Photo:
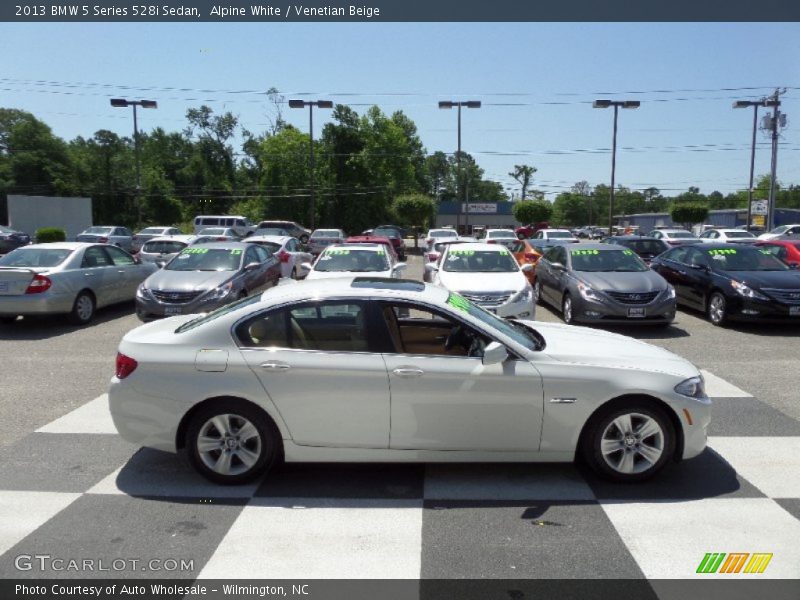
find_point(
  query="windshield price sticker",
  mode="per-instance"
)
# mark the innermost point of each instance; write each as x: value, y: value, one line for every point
x: 462, y: 252
x: 721, y: 251
x: 584, y: 252
x: 195, y: 251
x: 628, y: 252
x: 458, y: 302
x: 236, y: 251
x: 336, y: 252
x: 766, y: 252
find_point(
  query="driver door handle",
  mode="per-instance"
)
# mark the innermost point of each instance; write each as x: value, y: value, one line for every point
x: 274, y: 365
x: 408, y: 372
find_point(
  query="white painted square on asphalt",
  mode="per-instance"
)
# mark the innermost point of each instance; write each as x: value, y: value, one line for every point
x: 21, y: 513
x: 92, y: 417
x: 669, y: 539
x: 717, y: 387
x: 772, y: 464
x: 505, y: 482
x: 321, y: 538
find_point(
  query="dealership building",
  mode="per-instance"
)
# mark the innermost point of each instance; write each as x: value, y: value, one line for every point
x: 729, y: 217
x: 464, y: 216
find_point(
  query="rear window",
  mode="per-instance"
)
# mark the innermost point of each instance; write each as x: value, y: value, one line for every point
x: 645, y: 246
x: 151, y: 230
x: 164, y: 247
x: 95, y: 230
x: 34, y: 257
x: 325, y: 233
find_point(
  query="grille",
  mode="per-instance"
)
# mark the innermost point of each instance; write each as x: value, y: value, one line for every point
x: 487, y: 299
x: 784, y: 296
x: 175, y: 297
x: 634, y: 297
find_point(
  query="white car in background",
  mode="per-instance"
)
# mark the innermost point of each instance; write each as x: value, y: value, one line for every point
x: 322, y: 238
x: 499, y: 236
x: 489, y: 276
x: 728, y: 236
x: 439, y: 235
x: 346, y: 260
x: 149, y: 233
x: 287, y: 250
x: 161, y: 250
x: 558, y: 235
x: 121, y: 237
x: 379, y: 370
x: 779, y: 231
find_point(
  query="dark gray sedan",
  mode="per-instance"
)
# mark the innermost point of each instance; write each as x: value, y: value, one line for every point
x: 599, y: 283
x: 202, y: 278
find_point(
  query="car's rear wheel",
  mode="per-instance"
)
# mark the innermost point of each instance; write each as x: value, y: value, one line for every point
x: 629, y: 442
x: 566, y: 309
x: 294, y: 273
x: 231, y: 442
x: 717, y: 309
x: 82, y: 309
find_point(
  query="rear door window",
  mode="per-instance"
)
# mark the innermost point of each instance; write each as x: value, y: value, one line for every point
x: 95, y: 257
x: 120, y: 257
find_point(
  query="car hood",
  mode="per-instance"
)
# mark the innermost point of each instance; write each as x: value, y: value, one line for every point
x: 586, y: 346
x: 336, y: 274
x: 642, y: 281
x: 187, y: 281
x: 483, y: 282
x: 768, y: 279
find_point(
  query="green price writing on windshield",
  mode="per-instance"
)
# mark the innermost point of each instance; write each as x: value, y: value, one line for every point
x: 195, y: 251
x: 458, y: 302
x: 628, y: 252
x: 462, y: 252
x: 337, y: 252
x: 721, y: 251
x: 584, y: 252
x: 236, y: 251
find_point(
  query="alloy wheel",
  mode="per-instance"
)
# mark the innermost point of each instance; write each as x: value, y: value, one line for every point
x: 632, y: 443
x: 716, y: 309
x: 229, y: 444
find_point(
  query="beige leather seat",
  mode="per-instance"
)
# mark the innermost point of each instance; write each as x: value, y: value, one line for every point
x: 394, y: 328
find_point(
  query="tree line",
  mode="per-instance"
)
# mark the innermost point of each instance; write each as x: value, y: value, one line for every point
x: 364, y: 163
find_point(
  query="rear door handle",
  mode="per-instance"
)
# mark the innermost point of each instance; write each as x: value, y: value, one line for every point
x: 408, y: 372
x: 274, y: 365
x: 88, y: 274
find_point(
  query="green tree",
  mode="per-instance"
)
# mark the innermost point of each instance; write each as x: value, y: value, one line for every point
x: 415, y: 210
x: 523, y: 174
x: 570, y: 209
x: 689, y: 213
x: 532, y: 211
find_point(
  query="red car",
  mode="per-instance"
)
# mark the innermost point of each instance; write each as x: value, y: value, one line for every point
x: 373, y: 239
x: 787, y: 251
x: 528, y: 231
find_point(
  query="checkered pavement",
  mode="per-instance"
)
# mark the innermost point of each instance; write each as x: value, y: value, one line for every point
x: 73, y: 490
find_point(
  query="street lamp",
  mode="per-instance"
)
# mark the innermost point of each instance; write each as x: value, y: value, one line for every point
x: 616, y: 104
x: 312, y: 210
x: 469, y: 104
x: 122, y: 103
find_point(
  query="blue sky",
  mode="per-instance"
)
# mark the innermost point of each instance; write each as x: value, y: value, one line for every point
x: 536, y: 82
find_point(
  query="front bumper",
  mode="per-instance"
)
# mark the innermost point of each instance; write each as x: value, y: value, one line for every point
x: 521, y: 309
x: 660, y: 310
x: 751, y: 309
x: 148, y: 308
x: 695, y: 424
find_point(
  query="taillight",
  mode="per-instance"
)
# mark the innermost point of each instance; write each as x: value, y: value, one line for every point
x: 221, y: 239
x: 491, y: 242
x: 102, y: 239
x: 283, y: 256
x: 125, y: 365
x: 531, y: 257
x: 429, y: 241
x: 39, y: 284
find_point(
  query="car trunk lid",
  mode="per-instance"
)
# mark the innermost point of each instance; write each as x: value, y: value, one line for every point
x: 15, y: 280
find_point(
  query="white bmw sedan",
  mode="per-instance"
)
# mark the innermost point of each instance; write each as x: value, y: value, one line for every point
x: 391, y: 370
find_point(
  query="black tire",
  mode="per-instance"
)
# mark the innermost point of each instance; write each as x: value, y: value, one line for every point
x: 293, y: 274
x: 82, y: 309
x: 717, y: 309
x: 566, y: 310
x: 601, y: 432
x: 537, y: 293
x: 265, y: 447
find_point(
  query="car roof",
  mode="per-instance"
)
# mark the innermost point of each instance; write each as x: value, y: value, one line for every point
x: 370, y: 239
x: 226, y: 245
x: 594, y: 246
x: 278, y: 239
x: 364, y: 287
x: 482, y: 246
x: 172, y: 238
x: 63, y: 245
x: 632, y: 237
x: 358, y: 246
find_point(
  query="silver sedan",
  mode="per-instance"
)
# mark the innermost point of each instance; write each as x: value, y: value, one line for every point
x: 73, y: 278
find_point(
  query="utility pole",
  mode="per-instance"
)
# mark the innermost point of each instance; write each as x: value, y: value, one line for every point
x: 778, y: 120
x: 469, y: 104
x: 312, y: 206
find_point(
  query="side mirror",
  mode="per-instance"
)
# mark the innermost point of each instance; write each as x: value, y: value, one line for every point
x: 558, y: 266
x: 306, y: 265
x: 526, y: 268
x: 251, y: 266
x: 400, y: 267
x: 494, y: 353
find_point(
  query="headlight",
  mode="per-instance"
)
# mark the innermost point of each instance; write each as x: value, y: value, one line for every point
x: 669, y: 292
x: 220, y: 292
x: 524, y: 295
x: 588, y: 293
x: 745, y: 290
x: 693, y: 388
x: 143, y: 293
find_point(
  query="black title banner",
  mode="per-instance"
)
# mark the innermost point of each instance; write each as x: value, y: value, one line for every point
x: 398, y: 10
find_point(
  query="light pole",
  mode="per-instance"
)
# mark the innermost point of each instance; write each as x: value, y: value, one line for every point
x: 122, y: 103
x: 469, y: 104
x: 312, y: 210
x: 755, y: 104
x: 616, y: 104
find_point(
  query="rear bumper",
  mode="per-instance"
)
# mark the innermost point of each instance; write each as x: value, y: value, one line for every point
x: 143, y: 420
x: 36, y: 304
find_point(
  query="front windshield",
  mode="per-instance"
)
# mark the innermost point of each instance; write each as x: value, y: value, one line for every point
x: 501, y: 234
x: 516, y: 331
x: 745, y: 259
x: 739, y: 234
x: 682, y: 235
x: 442, y: 233
x: 480, y: 261
x: 206, y: 259
x: 98, y: 230
x: 645, y: 246
x: 559, y: 234
x: 352, y: 260
x: 165, y: 247
x: 213, y: 231
x: 151, y: 230
x: 325, y: 233
x: 780, y: 229
x: 35, y: 257
x: 271, y: 231
x: 387, y: 233
x: 594, y: 261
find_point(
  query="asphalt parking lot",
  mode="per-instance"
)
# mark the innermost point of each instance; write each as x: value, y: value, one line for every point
x: 85, y: 492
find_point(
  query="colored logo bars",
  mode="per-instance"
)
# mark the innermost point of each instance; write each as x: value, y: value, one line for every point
x: 716, y: 562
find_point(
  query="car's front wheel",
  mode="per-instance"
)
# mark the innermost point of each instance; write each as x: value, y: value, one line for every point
x: 717, y: 309
x: 566, y: 309
x: 231, y: 442
x: 630, y: 442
